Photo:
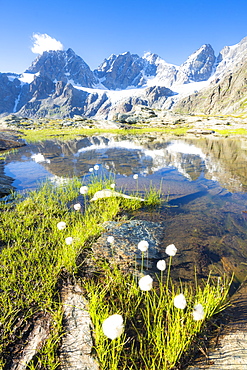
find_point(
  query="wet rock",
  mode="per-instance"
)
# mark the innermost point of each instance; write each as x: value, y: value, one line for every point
x: 10, y: 139
x: 127, y: 235
x: 231, y: 351
x: 5, y: 181
x: 76, y: 347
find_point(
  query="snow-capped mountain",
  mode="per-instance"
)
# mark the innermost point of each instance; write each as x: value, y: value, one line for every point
x: 63, y: 66
x: 60, y: 83
x: 226, y: 90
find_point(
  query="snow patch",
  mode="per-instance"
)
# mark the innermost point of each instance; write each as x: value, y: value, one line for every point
x: 16, y: 103
x: 28, y: 77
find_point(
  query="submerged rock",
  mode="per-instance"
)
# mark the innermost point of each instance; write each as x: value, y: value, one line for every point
x: 124, y: 250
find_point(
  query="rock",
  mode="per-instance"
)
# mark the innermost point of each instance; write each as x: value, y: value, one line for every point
x: 107, y: 193
x: 79, y: 118
x: 179, y: 121
x: 230, y: 353
x: 124, y: 251
x: 33, y: 343
x: 200, y: 132
x: 10, y: 139
x: 77, y: 343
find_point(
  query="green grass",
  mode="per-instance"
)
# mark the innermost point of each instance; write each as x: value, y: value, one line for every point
x: 232, y: 132
x: 35, y: 256
x: 156, y: 333
x: 72, y: 133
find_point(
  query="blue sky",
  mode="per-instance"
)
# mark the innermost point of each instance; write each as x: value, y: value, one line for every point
x: 96, y: 29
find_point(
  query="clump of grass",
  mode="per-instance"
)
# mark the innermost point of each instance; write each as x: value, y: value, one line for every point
x: 156, y: 333
x: 34, y: 252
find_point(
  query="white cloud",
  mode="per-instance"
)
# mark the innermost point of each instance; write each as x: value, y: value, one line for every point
x: 43, y: 42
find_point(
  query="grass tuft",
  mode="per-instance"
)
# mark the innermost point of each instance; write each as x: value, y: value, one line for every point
x: 156, y: 333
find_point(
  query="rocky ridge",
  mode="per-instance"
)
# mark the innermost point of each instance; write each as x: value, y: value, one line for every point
x: 223, y: 96
x: 60, y: 84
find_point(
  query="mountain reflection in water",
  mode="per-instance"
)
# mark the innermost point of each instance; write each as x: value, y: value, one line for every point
x: 206, y: 180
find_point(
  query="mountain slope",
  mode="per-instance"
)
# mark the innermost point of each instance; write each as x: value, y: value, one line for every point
x: 228, y: 95
x: 227, y: 91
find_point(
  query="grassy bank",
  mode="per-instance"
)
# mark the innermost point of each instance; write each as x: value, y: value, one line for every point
x: 72, y: 133
x: 32, y: 136
x: 41, y: 238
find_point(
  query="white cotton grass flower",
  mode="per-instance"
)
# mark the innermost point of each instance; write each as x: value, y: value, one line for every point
x: 110, y: 239
x: 146, y: 283
x: 171, y: 250
x: 61, y: 225
x: 84, y: 189
x: 180, y: 301
x: 135, y: 176
x: 69, y: 240
x: 113, y: 186
x: 77, y: 207
x: 90, y: 169
x: 198, y: 312
x: 113, y: 326
x: 96, y: 167
x: 161, y: 265
x: 143, y: 245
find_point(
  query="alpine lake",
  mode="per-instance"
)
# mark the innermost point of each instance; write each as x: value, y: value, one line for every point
x: 203, y: 184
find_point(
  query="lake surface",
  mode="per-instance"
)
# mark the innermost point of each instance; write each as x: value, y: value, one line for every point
x: 206, y: 180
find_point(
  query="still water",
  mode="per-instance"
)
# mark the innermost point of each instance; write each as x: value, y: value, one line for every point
x: 206, y: 180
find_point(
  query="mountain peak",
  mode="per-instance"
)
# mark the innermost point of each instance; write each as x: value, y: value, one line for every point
x: 121, y: 71
x: 60, y: 65
x: 199, y: 65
